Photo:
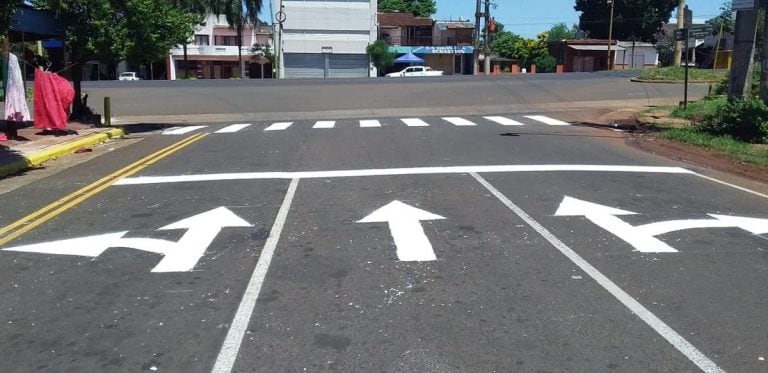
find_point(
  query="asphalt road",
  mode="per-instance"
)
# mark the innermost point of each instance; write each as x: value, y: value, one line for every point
x: 526, y: 247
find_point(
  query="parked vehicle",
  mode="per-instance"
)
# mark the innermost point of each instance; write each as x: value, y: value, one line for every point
x: 415, y: 71
x: 128, y: 75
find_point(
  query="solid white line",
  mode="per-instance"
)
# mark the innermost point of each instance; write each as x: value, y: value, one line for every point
x: 369, y: 123
x: 682, y: 345
x: 547, y: 120
x: 324, y: 124
x: 397, y: 171
x: 278, y: 126
x: 414, y: 122
x: 457, y: 121
x: 750, y: 191
x: 228, y: 353
x: 504, y: 121
x: 182, y: 130
x: 233, y: 128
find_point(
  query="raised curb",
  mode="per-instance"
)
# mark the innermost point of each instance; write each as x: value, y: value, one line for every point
x: 57, y: 151
x: 638, y: 80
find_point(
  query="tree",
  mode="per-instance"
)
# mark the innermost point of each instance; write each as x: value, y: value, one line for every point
x: 380, y: 55
x: 527, y: 51
x: 561, y: 32
x: 7, y: 10
x: 725, y: 18
x: 633, y: 19
x: 419, y: 8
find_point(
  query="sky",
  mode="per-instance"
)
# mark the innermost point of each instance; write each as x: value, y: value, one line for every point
x: 528, y: 18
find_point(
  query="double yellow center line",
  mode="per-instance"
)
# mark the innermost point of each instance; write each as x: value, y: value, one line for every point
x: 46, y: 213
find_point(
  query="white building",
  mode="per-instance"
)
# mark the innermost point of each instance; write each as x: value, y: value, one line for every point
x: 327, y: 38
x: 636, y: 55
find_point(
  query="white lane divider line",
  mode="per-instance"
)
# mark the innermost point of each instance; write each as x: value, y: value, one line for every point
x: 233, y: 128
x: 369, y: 123
x: 225, y: 361
x: 414, y: 122
x: 547, y: 120
x: 279, y: 126
x: 324, y: 124
x: 457, y: 121
x: 664, y: 330
x: 504, y: 121
x: 182, y: 130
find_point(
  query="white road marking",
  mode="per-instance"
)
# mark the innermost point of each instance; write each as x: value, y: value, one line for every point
x: 278, y: 126
x: 734, y: 186
x: 233, y: 128
x: 398, y: 171
x: 182, y: 130
x: 682, y: 345
x: 414, y: 122
x: 547, y: 120
x: 369, y: 123
x: 234, y: 339
x: 457, y: 121
x: 405, y: 226
x: 324, y: 124
x: 504, y: 121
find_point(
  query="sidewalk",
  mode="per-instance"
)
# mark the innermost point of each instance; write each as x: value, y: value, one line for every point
x: 34, y: 147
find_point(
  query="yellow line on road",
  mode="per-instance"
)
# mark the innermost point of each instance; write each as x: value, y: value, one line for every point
x: 46, y: 213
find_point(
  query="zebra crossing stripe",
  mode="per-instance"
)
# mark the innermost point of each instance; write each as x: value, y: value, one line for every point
x: 182, y: 130
x: 233, y: 128
x: 414, y: 122
x: 369, y: 123
x: 456, y: 121
x: 547, y: 120
x: 278, y: 126
x: 504, y: 121
x: 324, y: 124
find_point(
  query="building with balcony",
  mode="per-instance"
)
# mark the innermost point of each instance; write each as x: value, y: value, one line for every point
x: 213, y: 52
x: 327, y: 38
x: 444, y: 45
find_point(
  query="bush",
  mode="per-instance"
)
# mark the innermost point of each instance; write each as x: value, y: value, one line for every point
x: 745, y: 120
x: 721, y: 88
x: 545, y: 64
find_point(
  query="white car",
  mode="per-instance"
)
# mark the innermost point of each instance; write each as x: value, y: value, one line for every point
x: 415, y: 71
x: 128, y: 75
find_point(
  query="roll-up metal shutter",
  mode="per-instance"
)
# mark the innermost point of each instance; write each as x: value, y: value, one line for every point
x: 349, y: 66
x: 304, y: 65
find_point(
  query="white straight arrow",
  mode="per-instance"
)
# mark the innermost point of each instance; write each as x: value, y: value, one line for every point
x: 405, y: 226
x: 181, y: 256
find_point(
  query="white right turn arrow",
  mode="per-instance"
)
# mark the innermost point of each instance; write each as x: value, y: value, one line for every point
x: 405, y: 225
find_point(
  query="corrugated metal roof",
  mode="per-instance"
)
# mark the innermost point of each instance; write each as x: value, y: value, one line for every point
x: 596, y: 47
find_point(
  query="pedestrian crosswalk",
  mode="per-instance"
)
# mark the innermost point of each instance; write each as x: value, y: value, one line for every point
x: 377, y: 123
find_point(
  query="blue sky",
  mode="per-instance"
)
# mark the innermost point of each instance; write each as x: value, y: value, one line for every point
x: 528, y: 18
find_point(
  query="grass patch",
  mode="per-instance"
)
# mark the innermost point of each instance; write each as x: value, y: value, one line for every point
x: 735, y: 149
x: 697, y: 110
x: 677, y: 73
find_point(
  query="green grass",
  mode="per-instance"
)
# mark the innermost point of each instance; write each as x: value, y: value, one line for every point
x: 697, y: 110
x: 735, y: 149
x: 677, y: 73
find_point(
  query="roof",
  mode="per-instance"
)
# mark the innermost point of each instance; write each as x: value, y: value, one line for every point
x: 595, y: 47
x: 637, y: 44
x: 403, y: 19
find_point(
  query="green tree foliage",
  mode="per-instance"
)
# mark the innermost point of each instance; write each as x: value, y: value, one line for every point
x: 380, y: 55
x: 7, y: 9
x: 419, y: 8
x: 150, y: 36
x: 526, y: 51
x: 633, y: 19
x: 725, y: 18
x: 561, y: 32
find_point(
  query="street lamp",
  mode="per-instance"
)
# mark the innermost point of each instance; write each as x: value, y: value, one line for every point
x: 610, y: 35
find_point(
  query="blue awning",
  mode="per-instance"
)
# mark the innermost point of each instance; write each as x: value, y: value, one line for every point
x: 459, y: 49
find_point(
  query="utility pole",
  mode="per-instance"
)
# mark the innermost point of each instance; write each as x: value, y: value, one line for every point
x: 743, y: 53
x: 610, y: 37
x: 680, y: 25
x: 487, y: 48
x: 764, y: 62
x: 476, y: 67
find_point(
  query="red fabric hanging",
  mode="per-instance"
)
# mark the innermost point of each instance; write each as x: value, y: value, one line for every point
x: 53, y: 95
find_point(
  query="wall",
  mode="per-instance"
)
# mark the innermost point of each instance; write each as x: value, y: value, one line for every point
x: 346, y: 26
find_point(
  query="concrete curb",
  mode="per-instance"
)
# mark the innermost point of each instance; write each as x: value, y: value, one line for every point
x: 57, y: 151
x: 638, y: 80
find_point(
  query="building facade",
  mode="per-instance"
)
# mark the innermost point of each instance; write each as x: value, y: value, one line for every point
x: 327, y: 38
x: 213, y: 52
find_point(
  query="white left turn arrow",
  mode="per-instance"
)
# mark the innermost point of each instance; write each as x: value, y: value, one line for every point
x: 181, y: 256
x: 405, y: 225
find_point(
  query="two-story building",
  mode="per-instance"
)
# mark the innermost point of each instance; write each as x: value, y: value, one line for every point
x: 212, y: 53
x: 327, y: 38
x: 444, y: 45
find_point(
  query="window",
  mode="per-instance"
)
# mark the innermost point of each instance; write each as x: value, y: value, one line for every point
x: 225, y: 40
x: 202, y: 40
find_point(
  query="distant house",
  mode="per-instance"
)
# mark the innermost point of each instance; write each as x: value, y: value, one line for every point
x: 584, y: 55
x: 715, y: 52
x: 636, y: 55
